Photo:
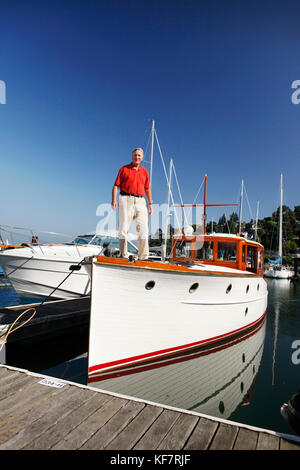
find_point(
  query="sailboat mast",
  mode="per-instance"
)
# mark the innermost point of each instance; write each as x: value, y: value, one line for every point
x: 241, y: 207
x: 280, y: 220
x: 168, y: 215
x: 256, y: 220
x: 204, y: 208
x: 151, y: 154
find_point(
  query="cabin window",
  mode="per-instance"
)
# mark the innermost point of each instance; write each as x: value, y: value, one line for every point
x: 260, y: 259
x: 206, y: 251
x: 227, y: 251
x: 244, y: 254
x: 183, y: 249
x: 252, y: 258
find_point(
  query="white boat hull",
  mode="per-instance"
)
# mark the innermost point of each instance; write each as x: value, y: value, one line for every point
x: 278, y: 273
x: 34, y: 275
x: 213, y: 381
x: 131, y: 324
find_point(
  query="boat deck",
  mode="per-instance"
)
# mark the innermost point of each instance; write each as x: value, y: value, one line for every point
x: 42, y: 413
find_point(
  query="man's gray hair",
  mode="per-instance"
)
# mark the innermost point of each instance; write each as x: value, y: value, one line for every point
x: 138, y: 148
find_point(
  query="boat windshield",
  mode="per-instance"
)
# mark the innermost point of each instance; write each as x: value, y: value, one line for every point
x: 108, y: 242
x: 227, y: 251
x: 86, y: 239
x: 206, y: 251
x: 252, y: 259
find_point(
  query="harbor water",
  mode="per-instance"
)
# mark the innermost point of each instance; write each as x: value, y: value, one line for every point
x: 245, y: 380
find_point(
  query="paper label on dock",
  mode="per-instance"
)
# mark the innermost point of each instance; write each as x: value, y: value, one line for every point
x: 52, y: 383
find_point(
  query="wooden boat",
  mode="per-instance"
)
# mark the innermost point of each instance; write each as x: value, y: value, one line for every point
x: 210, y: 290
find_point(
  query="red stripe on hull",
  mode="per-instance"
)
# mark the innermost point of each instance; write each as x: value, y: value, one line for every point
x: 169, y: 351
x: 136, y: 368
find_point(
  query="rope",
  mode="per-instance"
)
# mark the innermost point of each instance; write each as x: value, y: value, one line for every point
x: 11, y: 329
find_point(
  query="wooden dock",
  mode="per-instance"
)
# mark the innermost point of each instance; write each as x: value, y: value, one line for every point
x: 43, y: 413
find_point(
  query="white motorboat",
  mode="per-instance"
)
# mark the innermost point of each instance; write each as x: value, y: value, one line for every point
x: 275, y: 269
x: 55, y: 269
x: 210, y: 290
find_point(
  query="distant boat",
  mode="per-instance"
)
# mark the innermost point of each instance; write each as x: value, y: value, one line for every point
x: 277, y: 270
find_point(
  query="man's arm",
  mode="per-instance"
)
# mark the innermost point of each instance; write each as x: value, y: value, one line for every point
x: 149, y: 198
x: 114, y: 197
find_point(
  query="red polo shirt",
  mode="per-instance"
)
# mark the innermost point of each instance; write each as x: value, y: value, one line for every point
x: 133, y: 181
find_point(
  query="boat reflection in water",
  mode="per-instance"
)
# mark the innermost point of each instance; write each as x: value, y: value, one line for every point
x: 212, y: 380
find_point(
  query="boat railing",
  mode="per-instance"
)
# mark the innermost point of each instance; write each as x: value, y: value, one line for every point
x: 13, y: 237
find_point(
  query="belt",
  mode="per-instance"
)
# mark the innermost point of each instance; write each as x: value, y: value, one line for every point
x: 126, y: 194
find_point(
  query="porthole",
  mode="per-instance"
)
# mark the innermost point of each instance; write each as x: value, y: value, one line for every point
x: 194, y: 287
x: 243, y: 357
x: 246, y: 311
x: 242, y: 387
x: 253, y: 369
x: 247, y: 289
x: 221, y: 407
x: 257, y: 286
x: 228, y: 288
x: 149, y: 285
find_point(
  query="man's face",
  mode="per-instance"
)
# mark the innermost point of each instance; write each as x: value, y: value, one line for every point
x: 137, y: 157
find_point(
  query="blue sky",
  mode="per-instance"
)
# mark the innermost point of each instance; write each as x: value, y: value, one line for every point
x: 84, y: 79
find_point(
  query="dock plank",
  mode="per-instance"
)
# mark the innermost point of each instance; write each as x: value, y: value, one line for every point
x: 112, y: 428
x: 267, y: 442
x: 55, y: 434
x: 179, y: 432
x: 65, y: 402
x: 7, y: 377
x: 61, y: 429
x: 288, y: 445
x: 10, y: 387
x: 246, y: 440
x: 129, y: 436
x: 24, y: 399
x: 202, y: 435
x: 23, y: 416
x: 82, y: 433
x: 224, y: 437
x: 156, y: 433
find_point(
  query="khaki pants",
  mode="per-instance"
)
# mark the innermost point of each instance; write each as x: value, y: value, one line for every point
x: 133, y: 208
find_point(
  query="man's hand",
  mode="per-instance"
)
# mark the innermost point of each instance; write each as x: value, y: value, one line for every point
x: 149, y: 199
x: 114, y: 205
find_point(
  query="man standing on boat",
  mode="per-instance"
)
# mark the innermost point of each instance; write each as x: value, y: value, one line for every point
x: 133, y: 181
